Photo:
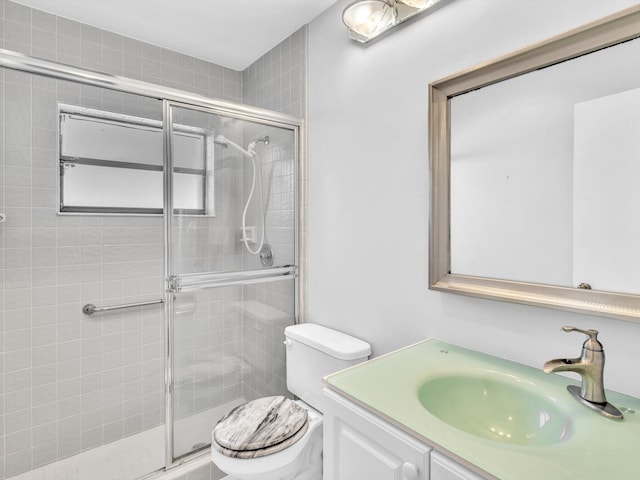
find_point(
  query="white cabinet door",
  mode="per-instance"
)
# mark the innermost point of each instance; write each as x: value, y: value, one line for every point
x: 361, y: 446
x: 443, y: 468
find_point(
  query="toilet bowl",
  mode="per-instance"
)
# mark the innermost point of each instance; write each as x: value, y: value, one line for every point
x: 274, y: 438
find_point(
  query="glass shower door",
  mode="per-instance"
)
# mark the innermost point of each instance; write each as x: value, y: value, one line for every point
x: 231, y: 265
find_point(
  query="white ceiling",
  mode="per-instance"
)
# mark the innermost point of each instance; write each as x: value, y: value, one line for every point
x: 232, y: 33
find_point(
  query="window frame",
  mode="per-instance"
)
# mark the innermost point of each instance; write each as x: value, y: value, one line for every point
x: 207, y: 172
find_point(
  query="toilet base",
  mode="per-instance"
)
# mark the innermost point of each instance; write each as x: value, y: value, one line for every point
x: 310, y: 467
x: 309, y: 474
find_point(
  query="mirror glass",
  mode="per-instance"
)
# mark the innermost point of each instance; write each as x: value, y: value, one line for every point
x: 544, y: 175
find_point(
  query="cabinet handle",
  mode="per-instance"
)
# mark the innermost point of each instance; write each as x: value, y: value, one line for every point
x: 409, y: 471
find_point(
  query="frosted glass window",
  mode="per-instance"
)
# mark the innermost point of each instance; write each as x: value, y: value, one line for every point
x: 113, y: 163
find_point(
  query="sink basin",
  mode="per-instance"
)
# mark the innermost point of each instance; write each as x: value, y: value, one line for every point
x: 508, y: 420
x: 497, y: 408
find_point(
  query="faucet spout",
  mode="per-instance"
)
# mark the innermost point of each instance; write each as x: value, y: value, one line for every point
x: 561, y: 365
x: 590, y: 366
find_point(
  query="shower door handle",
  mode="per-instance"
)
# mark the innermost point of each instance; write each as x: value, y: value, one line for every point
x: 198, y: 281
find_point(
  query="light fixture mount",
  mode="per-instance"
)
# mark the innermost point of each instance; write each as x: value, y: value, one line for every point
x: 369, y: 19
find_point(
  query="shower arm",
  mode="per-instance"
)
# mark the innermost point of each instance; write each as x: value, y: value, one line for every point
x: 222, y: 139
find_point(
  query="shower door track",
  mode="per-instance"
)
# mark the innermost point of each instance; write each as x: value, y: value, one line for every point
x: 25, y: 63
x: 174, y: 97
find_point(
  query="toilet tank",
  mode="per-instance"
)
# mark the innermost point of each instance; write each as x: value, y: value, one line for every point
x: 314, y: 351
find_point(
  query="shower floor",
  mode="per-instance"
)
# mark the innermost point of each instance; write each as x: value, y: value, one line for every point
x: 131, y: 457
x: 125, y: 459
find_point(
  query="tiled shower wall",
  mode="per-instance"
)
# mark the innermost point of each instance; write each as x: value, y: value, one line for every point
x: 71, y: 382
x: 276, y: 81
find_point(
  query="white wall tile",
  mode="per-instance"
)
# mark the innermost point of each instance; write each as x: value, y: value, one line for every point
x: 17, y: 463
x: 44, y: 335
x: 18, y: 298
x: 17, y: 380
x: 42, y: 276
x: 44, y: 374
x: 41, y: 296
x: 68, y: 255
x: 17, y: 400
x: 43, y: 237
x: 68, y: 369
x: 19, y: 339
x: 42, y: 256
x: 68, y: 349
x: 45, y: 453
x: 41, y: 355
x: 19, y: 318
x: 17, y: 278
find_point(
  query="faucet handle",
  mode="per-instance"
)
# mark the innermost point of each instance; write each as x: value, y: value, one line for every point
x: 590, y: 343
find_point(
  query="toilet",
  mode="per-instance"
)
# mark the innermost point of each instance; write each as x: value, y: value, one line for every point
x: 275, y: 438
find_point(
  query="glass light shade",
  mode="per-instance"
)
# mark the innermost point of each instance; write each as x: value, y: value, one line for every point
x: 369, y: 17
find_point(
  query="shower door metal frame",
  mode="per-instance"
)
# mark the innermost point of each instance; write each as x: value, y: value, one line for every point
x: 173, y: 284
x: 175, y: 97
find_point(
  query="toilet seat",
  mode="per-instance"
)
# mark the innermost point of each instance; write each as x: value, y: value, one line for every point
x: 281, y: 465
x: 260, y: 427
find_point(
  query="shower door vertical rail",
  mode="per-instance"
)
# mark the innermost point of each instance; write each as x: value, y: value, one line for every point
x: 168, y: 273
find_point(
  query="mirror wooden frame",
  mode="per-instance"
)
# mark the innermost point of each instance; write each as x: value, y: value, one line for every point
x: 611, y: 30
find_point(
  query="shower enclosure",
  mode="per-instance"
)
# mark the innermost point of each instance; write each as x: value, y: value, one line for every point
x: 173, y: 220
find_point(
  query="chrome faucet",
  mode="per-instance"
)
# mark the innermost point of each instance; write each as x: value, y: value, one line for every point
x: 590, y: 366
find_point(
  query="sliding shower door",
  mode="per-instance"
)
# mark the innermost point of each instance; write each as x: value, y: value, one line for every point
x: 230, y: 265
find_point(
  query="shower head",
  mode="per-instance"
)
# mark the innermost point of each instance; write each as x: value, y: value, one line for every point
x: 266, y: 139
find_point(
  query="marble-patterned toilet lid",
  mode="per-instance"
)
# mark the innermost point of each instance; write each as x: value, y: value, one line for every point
x: 260, y: 427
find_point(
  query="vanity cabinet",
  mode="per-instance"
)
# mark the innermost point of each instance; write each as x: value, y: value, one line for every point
x: 360, y: 445
x: 443, y: 468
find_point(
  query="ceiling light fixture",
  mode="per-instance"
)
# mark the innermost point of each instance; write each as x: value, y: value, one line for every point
x: 368, y: 19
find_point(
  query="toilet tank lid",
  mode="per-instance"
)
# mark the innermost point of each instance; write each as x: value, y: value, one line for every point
x: 334, y: 343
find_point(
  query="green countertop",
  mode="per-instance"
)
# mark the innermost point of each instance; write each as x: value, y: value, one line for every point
x: 596, y: 448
